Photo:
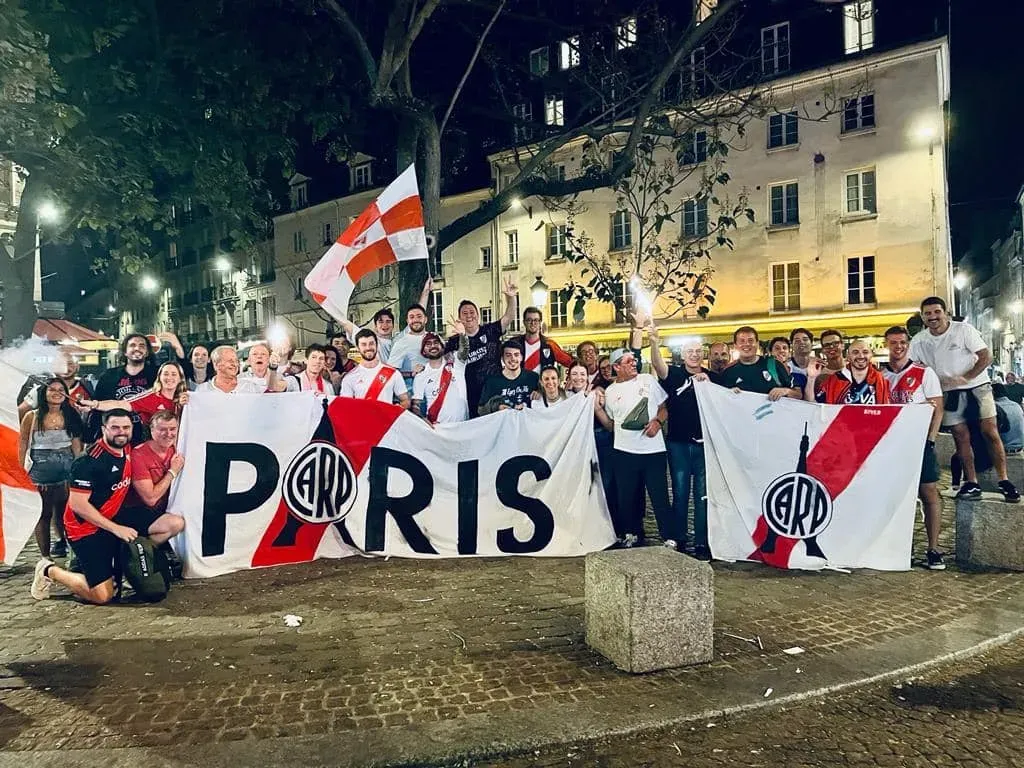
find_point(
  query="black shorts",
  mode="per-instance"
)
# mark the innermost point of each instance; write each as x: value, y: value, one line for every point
x: 930, y: 465
x: 97, y: 552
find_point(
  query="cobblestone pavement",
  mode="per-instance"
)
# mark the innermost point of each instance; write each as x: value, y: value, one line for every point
x: 399, y: 660
x: 969, y: 715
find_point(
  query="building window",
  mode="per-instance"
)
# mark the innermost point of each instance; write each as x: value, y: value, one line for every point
x: 783, y: 130
x: 485, y: 257
x: 557, y: 172
x: 523, y: 114
x: 328, y: 233
x: 622, y: 230
x: 387, y: 274
x: 860, y: 280
x: 695, y: 218
x: 512, y: 244
x: 436, y: 265
x: 786, y: 287
x: 858, y: 26
x: 695, y: 147
x: 625, y: 306
x: 539, y: 61
x: 301, y: 196
x: 702, y: 9
x: 860, y: 192
x: 486, y: 315
x: 554, y: 110
x: 569, y: 53
x: 775, y: 49
x: 625, y: 33
x: 437, y: 312
x: 298, y: 242
x: 556, y: 241
x: 361, y: 176
x: 698, y: 78
x: 784, y: 202
x: 859, y: 113
x: 558, y: 316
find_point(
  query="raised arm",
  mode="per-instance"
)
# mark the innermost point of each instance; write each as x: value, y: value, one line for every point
x: 28, y: 421
x: 428, y: 288
x: 172, y: 339
x: 657, y: 361
x: 511, y: 304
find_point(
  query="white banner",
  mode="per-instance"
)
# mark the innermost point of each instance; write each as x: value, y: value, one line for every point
x: 273, y: 479
x: 799, y: 485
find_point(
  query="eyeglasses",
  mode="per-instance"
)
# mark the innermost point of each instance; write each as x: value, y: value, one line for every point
x: 831, y: 344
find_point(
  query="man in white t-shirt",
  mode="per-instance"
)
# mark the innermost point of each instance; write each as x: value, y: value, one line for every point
x: 226, y: 378
x: 440, y: 387
x: 958, y: 354
x: 406, y: 354
x: 911, y: 383
x: 635, y: 410
x: 371, y: 379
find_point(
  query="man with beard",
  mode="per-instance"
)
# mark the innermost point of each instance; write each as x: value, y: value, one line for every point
x: 510, y: 389
x: 406, y: 351
x: 753, y: 373
x: 833, y: 351
x: 718, y: 359
x: 859, y: 384
x: 539, y: 351
x: 134, y: 377
x: 315, y: 378
x: 484, y: 351
x: 441, y: 386
x: 225, y: 378
x: 587, y: 353
x: 911, y: 382
x: 371, y: 379
x: 801, y: 343
x: 958, y: 354
x: 94, y: 520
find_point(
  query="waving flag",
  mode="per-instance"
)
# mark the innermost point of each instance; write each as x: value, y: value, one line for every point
x: 388, y: 231
x: 799, y: 485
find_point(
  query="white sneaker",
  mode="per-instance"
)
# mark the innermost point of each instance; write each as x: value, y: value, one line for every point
x: 40, y: 589
x: 629, y: 540
x: 671, y: 544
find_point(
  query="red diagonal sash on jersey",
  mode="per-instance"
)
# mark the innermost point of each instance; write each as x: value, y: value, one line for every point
x: 834, y: 460
x: 357, y: 426
x: 435, y: 407
x: 533, y: 361
x: 379, y: 382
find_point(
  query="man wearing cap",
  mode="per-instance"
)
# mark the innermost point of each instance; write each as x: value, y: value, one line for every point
x: 635, y: 410
x: 439, y: 390
x: 512, y: 388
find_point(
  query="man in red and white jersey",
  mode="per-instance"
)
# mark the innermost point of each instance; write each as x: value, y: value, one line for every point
x: 94, y: 519
x: 538, y: 350
x: 441, y: 386
x: 913, y: 383
x: 371, y: 379
x: 316, y: 377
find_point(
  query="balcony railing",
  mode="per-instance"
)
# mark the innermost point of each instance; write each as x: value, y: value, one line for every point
x: 191, y: 298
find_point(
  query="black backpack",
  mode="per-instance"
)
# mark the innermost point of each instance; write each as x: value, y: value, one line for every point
x: 146, y: 569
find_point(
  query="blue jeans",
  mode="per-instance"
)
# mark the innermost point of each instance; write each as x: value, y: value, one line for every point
x: 686, y: 463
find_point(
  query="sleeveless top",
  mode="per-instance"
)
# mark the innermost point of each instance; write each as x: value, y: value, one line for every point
x: 51, y: 454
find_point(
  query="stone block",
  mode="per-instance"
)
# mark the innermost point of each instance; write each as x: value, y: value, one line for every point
x: 1014, y: 472
x: 945, y: 447
x: 649, y: 608
x: 989, y: 534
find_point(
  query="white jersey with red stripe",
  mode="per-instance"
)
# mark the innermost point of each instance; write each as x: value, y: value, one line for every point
x: 914, y: 384
x: 359, y: 380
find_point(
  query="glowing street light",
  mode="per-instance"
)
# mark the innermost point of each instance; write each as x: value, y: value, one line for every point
x: 539, y: 292
x: 222, y: 264
x: 148, y: 283
x: 960, y: 281
x: 111, y: 309
x: 48, y: 212
x: 1017, y: 307
x: 997, y: 324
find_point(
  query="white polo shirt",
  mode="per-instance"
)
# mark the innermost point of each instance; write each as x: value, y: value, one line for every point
x: 952, y: 353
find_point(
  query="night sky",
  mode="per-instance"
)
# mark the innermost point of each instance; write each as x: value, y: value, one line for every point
x: 986, y: 142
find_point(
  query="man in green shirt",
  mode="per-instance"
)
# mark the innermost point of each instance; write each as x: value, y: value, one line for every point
x: 753, y: 373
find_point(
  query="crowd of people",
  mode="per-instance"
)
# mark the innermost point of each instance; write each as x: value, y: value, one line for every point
x: 647, y: 425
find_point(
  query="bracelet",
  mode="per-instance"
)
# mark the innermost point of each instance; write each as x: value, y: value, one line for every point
x: 172, y: 473
x: 272, y: 367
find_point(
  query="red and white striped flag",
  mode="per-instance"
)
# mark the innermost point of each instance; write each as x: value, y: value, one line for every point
x: 388, y: 231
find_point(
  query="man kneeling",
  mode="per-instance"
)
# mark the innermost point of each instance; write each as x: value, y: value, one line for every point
x: 93, y: 518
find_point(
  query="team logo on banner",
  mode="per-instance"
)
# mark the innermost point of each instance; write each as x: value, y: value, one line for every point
x: 319, y: 485
x: 797, y: 505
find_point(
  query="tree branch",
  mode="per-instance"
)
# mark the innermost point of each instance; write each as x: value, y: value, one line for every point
x: 369, y: 64
x: 469, y: 66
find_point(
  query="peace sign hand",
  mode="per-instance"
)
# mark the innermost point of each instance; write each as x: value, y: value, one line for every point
x: 510, y: 289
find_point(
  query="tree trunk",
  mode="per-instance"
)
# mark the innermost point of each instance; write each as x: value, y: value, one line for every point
x: 18, y: 311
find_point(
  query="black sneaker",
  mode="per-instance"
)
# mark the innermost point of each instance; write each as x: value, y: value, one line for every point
x: 970, y: 491
x: 1010, y: 493
x: 934, y: 561
x: 702, y: 553
x: 59, y: 549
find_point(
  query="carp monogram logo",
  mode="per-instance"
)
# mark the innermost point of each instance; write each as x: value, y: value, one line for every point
x: 319, y: 485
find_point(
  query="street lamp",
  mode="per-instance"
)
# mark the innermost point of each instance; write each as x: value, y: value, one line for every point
x: 997, y: 324
x: 148, y: 283
x: 222, y: 264
x: 960, y: 280
x: 46, y: 213
x: 539, y: 292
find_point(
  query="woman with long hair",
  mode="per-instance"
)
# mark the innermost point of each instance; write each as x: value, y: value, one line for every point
x: 577, y: 378
x: 169, y: 393
x: 549, y: 393
x: 51, y: 435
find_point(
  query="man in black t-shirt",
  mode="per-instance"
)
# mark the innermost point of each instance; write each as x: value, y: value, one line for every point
x: 754, y: 373
x: 512, y: 387
x: 134, y: 377
x: 1014, y: 389
x: 484, y: 353
x: 684, y: 439
x: 94, y: 520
